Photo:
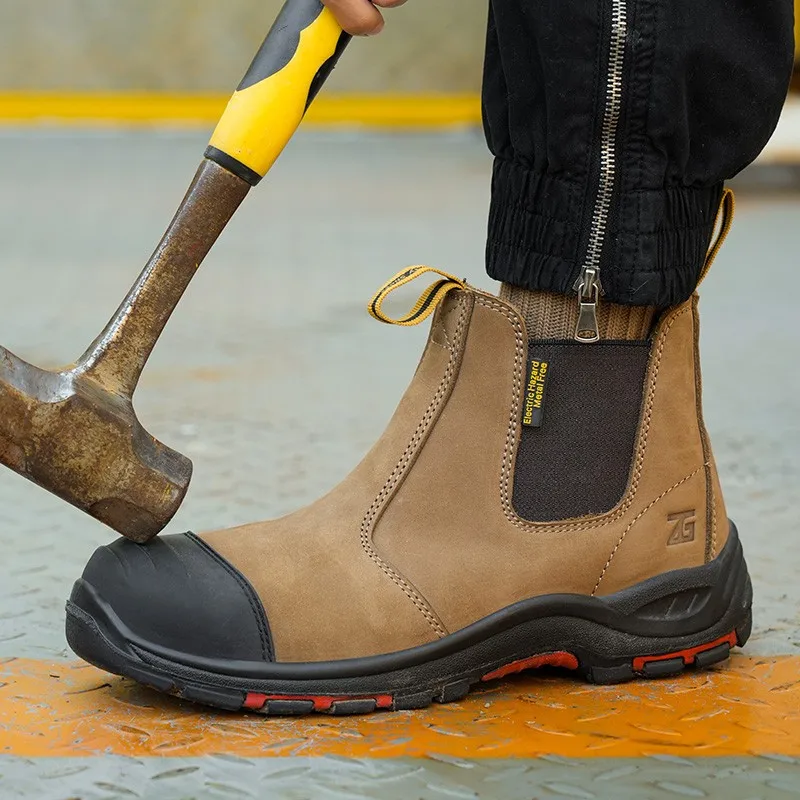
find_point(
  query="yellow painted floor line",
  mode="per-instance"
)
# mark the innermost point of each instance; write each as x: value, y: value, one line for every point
x: 425, y: 111
x: 751, y: 707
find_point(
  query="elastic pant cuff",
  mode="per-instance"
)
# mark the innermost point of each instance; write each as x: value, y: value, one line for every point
x: 656, y: 243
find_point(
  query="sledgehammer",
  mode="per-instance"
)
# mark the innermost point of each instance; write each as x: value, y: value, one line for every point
x: 73, y: 431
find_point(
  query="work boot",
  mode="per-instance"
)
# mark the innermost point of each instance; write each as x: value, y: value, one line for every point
x: 542, y: 502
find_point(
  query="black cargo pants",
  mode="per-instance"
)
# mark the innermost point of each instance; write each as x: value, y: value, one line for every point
x: 614, y: 124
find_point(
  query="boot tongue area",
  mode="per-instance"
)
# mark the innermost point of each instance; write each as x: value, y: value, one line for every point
x: 580, y: 415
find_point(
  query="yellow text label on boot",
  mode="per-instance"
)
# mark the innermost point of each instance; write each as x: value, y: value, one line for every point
x: 535, y: 391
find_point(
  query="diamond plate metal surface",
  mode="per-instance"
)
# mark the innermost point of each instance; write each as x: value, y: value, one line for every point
x: 749, y: 708
x: 431, y: 778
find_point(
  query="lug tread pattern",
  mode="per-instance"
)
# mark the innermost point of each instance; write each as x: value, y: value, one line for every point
x: 287, y: 708
x: 664, y: 669
x: 654, y: 667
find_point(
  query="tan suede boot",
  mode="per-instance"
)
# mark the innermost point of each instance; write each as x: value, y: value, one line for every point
x: 542, y: 503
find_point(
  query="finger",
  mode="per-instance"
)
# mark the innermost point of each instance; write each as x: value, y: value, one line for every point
x: 389, y: 3
x: 358, y: 17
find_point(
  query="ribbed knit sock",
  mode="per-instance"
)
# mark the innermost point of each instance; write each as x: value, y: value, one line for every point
x: 554, y: 316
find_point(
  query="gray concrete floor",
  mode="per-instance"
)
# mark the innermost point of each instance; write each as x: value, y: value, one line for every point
x: 275, y: 327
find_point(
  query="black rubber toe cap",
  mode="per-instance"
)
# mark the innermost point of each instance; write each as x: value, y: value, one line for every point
x: 176, y: 594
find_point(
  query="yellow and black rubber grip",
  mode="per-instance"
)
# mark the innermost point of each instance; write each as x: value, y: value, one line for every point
x: 297, y: 57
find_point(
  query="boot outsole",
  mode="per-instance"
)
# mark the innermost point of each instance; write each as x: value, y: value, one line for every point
x: 688, y: 619
x: 84, y: 636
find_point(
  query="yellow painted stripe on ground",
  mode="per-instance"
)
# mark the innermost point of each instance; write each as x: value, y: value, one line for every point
x: 372, y: 111
x: 751, y: 707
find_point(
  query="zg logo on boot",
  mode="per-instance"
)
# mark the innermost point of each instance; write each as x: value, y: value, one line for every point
x: 683, y: 526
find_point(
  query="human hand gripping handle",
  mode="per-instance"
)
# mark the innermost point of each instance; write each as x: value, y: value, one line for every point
x: 361, y: 17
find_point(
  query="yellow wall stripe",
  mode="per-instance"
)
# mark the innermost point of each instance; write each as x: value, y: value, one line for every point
x: 797, y: 31
x: 751, y: 707
x: 372, y: 111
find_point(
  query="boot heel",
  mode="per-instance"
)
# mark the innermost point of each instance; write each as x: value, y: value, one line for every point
x: 670, y: 664
x: 695, y: 617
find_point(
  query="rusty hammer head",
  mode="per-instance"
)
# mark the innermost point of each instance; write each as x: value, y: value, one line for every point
x: 66, y: 432
x: 74, y: 431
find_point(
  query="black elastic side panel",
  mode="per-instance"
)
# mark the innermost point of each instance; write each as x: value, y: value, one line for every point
x: 579, y: 460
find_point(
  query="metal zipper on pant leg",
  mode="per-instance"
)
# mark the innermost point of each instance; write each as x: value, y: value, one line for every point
x: 589, y: 290
x: 588, y: 285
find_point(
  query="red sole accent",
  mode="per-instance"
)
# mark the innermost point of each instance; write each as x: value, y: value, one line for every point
x: 686, y: 655
x: 256, y: 702
x: 565, y: 660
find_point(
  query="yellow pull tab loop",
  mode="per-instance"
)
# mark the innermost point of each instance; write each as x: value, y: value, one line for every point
x: 427, y: 302
x: 724, y: 221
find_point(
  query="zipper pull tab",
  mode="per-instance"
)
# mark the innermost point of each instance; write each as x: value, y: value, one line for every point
x: 589, y: 291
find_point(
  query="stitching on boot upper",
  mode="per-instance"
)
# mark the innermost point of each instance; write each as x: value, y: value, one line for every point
x: 713, y: 501
x: 511, y: 436
x: 711, y: 491
x: 394, y: 478
x: 637, y: 518
x: 441, y: 328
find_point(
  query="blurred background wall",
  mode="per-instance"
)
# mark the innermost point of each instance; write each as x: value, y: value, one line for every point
x: 176, y: 62
x: 204, y: 46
